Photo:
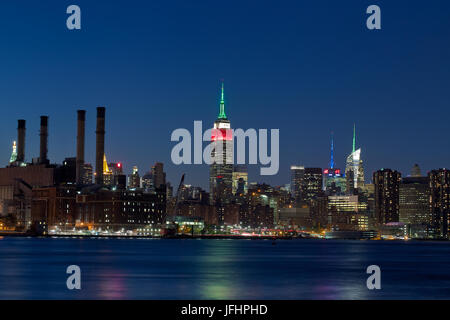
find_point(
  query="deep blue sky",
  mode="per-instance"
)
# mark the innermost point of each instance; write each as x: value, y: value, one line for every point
x: 305, y: 67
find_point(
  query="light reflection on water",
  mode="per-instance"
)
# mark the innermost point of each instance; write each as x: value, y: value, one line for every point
x: 34, y: 268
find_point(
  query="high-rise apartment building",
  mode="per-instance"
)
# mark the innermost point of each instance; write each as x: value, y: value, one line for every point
x: 439, y: 203
x: 414, y: 200
x: 311, y: 186
x: 297, y: 173
x: 306, y: 184
x: 387, y: 186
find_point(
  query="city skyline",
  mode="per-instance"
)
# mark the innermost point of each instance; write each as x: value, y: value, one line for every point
x: 332, y: 163
x: 326, y: 73
x: 220, y: 159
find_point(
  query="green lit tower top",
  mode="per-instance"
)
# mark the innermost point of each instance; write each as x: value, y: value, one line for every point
x: 222, y: 114
x: 354, y: 138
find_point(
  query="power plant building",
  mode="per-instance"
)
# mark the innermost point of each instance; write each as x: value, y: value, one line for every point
x: 41, y: 195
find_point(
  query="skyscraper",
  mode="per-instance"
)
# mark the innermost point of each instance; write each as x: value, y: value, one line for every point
x: 134, y: 181
x: 354, y: 171
x: 107, y: 173
x: 297, y: 173
x: 311, y: 186
x: 147, y: 182
x: 439, y: 202
x: 387, y: 185
x: 221, y: 169
x: 415, y: 200
x: 333, y: 178
x: 158, y: 174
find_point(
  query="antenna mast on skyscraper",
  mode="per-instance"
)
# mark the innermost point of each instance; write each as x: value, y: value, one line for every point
x: 222, y: 114
x: 332, y: 152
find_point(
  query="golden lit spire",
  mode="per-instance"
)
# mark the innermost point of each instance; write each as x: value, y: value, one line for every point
x: 105, y: 165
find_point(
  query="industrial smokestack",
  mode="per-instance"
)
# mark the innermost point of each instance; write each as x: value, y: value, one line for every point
x: 21, y: 141
x: 100, y: 145
x: 44, y: 140
x: 80, y: 145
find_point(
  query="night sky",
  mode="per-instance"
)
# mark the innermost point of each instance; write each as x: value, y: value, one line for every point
x: 305, y: 67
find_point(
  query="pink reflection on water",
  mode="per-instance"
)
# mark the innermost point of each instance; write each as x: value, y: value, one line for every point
x: 111, y: 286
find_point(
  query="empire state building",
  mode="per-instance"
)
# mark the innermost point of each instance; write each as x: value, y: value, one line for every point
x: 221, y: 169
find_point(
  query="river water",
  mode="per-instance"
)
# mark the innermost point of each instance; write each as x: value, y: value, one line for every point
x: 35, y: 268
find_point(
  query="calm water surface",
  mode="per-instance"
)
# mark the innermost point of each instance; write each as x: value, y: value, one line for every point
x: 35, y: 268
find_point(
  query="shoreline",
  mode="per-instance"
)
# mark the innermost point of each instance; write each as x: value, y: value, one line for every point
x: 195, y: 237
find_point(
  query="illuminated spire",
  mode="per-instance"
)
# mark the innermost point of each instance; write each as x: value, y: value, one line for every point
x: 354, y: 138
x: 105, y: 165
x: 14, y: 153
x: 222, y: 114
x: 332, y: 152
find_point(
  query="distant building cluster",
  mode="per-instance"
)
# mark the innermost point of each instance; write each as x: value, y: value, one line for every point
x: 332, y: 202
x: 391, y: 207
